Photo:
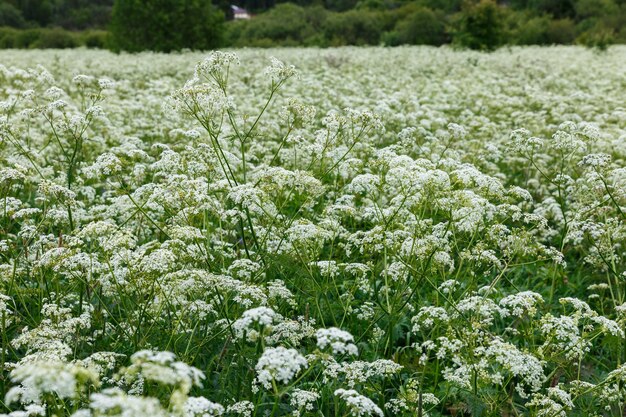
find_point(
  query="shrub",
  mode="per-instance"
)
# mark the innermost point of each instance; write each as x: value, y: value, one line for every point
x: 286, y: 24
x: 96, y: 39
x: 480, y: 25
x: 561, y: 31
x: 8, y: 38
x: 597, y: 38
x: 355, y: 27
x: 422, y: 27
x: 528, y: 30
x: 54, y: 39
x: 165, y: 25
x: 26, y: 38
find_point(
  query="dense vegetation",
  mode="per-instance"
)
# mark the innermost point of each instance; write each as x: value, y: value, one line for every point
x: 165, y: 25
x: 395, y: 232
x: 481, y: 24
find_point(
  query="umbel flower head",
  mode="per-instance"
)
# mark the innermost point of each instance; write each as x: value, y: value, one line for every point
x: 339, y: 341
x: 39, y: 378
x: 163, y: 368
x: 255, y: 321
x: 279, y: 364
x: 359, y: 405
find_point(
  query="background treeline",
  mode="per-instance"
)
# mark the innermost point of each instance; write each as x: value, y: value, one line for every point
x: 477, y: 24
x: 167, y: 25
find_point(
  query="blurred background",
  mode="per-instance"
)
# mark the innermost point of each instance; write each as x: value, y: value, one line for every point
x: 172, y: 25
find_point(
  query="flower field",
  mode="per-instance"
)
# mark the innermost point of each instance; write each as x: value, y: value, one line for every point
x: 305, y: 232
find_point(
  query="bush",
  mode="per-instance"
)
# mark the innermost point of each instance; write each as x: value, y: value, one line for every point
x: 561, y: 31
x: 55, y: 39
x: 597, y: 38
x: 527, y: 29
x: 165, y: 25
x: 355, y: 27
x: 8, y: 37
x: 447, y: 6
x: 595, y: 8
x: 480, y: 26
x: 422, y: 27
x: 96, y: 39
x: 27, y: 38
x: 285, y: 25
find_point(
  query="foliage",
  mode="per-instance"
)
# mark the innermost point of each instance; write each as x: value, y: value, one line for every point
x: 54, y: 38
x: 354, y: 27
x: 11, y: 16
x: 421, y: 27
x: 67, y: 14
x: 165, y: 25
x: 599, y: 39
x: 480, y: 25
x: 286, y: 24
x: 337, y: 22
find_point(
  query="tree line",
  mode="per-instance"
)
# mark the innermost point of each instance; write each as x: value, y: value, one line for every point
x: 167, y: 25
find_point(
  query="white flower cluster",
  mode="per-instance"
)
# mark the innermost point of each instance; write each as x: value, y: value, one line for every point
x: 279, y: 364
x: 340, y: 341
x: 39, y: 378
x: 255, y: 321
x: 358, y: 404
x: 162, y: 367
x: 303, y: 401
x: 201, y: 407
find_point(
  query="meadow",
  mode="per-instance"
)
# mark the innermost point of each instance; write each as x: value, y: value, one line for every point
x: 406, y: 231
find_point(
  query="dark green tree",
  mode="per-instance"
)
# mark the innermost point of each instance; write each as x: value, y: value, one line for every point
x: 165, y: 25
x: 480, y: 25
x: 11, y: 16
x: 38, y: 11
x: 422, y: 27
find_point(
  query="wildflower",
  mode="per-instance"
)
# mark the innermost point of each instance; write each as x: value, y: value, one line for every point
x: 241, y: 408
x: 162, y: 367
x: 255, y: 321
x: 114, y: 402
x: 38, y: 378
x: 279, y: 365
x: 358, y: 404
x: 201, y: 407
x: 556, y: 404
x: 524, y: 302
x: 302, y: 400
x: 278, y: 72
x: 339, y: 341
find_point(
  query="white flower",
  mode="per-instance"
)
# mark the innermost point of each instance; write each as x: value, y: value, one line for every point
x: 201, y: 407
x: 216, y: 63
x: 242, y: 408
x: 596, y: 160
x: 279, y: 364
x: 163, y: 368
x: 36, y: 378
x: 556, y: 404
x: 114, y: 402
x: 254, y: 319
x: 279, y: 72
x: 339, y: 341
x: 358, y: 404
x: 521, y: 303
x: 303, y: 400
